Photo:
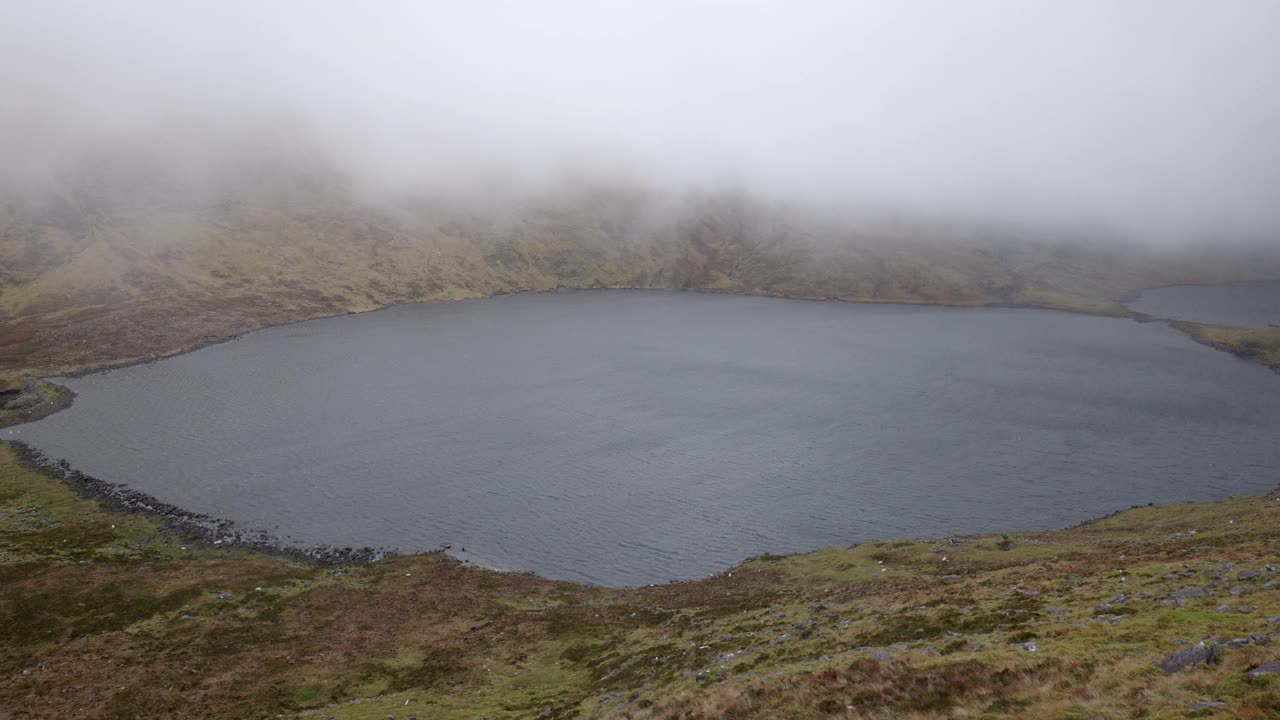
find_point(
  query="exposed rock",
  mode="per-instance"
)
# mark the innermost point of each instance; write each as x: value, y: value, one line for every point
x: 1268, y: 668
x: 1198, y: 654
x: 1239, y: 642
x: 25, y: 400
x: 1205, y: 706
x: 1189, y: 593
x: 189, y: 524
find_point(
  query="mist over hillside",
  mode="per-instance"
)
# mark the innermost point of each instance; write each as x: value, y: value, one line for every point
x: 125, y: 256
x: 175, y: 174
x: 1153, y: 119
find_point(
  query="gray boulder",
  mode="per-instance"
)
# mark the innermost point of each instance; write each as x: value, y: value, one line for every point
x: 25, y: 400
x: 1270, y: 668
x: 1198, y: 654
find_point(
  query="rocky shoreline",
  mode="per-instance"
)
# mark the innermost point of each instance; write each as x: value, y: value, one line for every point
x: 37, y: 399
x: 191, y: 526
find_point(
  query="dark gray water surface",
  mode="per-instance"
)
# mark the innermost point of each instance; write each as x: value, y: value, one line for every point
x: 1251, y: 304
x: 630, y: 437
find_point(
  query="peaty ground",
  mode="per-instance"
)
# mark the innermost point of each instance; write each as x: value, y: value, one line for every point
x: 108, y: 615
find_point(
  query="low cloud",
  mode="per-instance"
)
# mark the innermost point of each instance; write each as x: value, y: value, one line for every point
x: 1152, y: 118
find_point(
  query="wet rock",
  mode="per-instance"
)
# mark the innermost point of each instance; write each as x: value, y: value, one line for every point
x: 188, y: 524
x: 1268, y: 668
x: 1198, y: 654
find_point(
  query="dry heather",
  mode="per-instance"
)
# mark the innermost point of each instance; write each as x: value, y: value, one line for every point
x: 108, y: 615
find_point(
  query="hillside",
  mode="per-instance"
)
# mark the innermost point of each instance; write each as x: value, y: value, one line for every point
x: 104, y: 614
x: 120, y: 262
x: 1257, y: 344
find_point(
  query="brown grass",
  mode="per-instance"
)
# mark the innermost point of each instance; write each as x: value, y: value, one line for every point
x: 92, y: 283
x: 1257, y: 344
x: 107, y: 615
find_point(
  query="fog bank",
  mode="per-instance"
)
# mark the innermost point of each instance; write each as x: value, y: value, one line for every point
x: 1155, y: 118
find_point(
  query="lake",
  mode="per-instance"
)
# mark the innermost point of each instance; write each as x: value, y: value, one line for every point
x: 1250, y: 304
x: 630, y: 437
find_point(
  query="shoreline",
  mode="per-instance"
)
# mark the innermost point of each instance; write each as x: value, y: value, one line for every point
x: 977, y: 304
x: 1129, y: 314
x: 218, y: 532
x: 212, y: 532
x: 190, y: 526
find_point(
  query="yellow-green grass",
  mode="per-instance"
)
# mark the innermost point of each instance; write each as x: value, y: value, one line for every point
x: 1258, y: 344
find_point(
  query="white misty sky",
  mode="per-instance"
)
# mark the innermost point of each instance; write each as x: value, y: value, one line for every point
x: 1158, y: 115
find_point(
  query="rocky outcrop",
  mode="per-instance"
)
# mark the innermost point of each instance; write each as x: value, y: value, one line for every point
x: 35, y: 400
x: 197, y: 527
x: 1198, y: 654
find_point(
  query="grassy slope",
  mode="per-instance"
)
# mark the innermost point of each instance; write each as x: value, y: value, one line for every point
x: 105, y: 615
x: 1257, y: 344
x: 87, y: 282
